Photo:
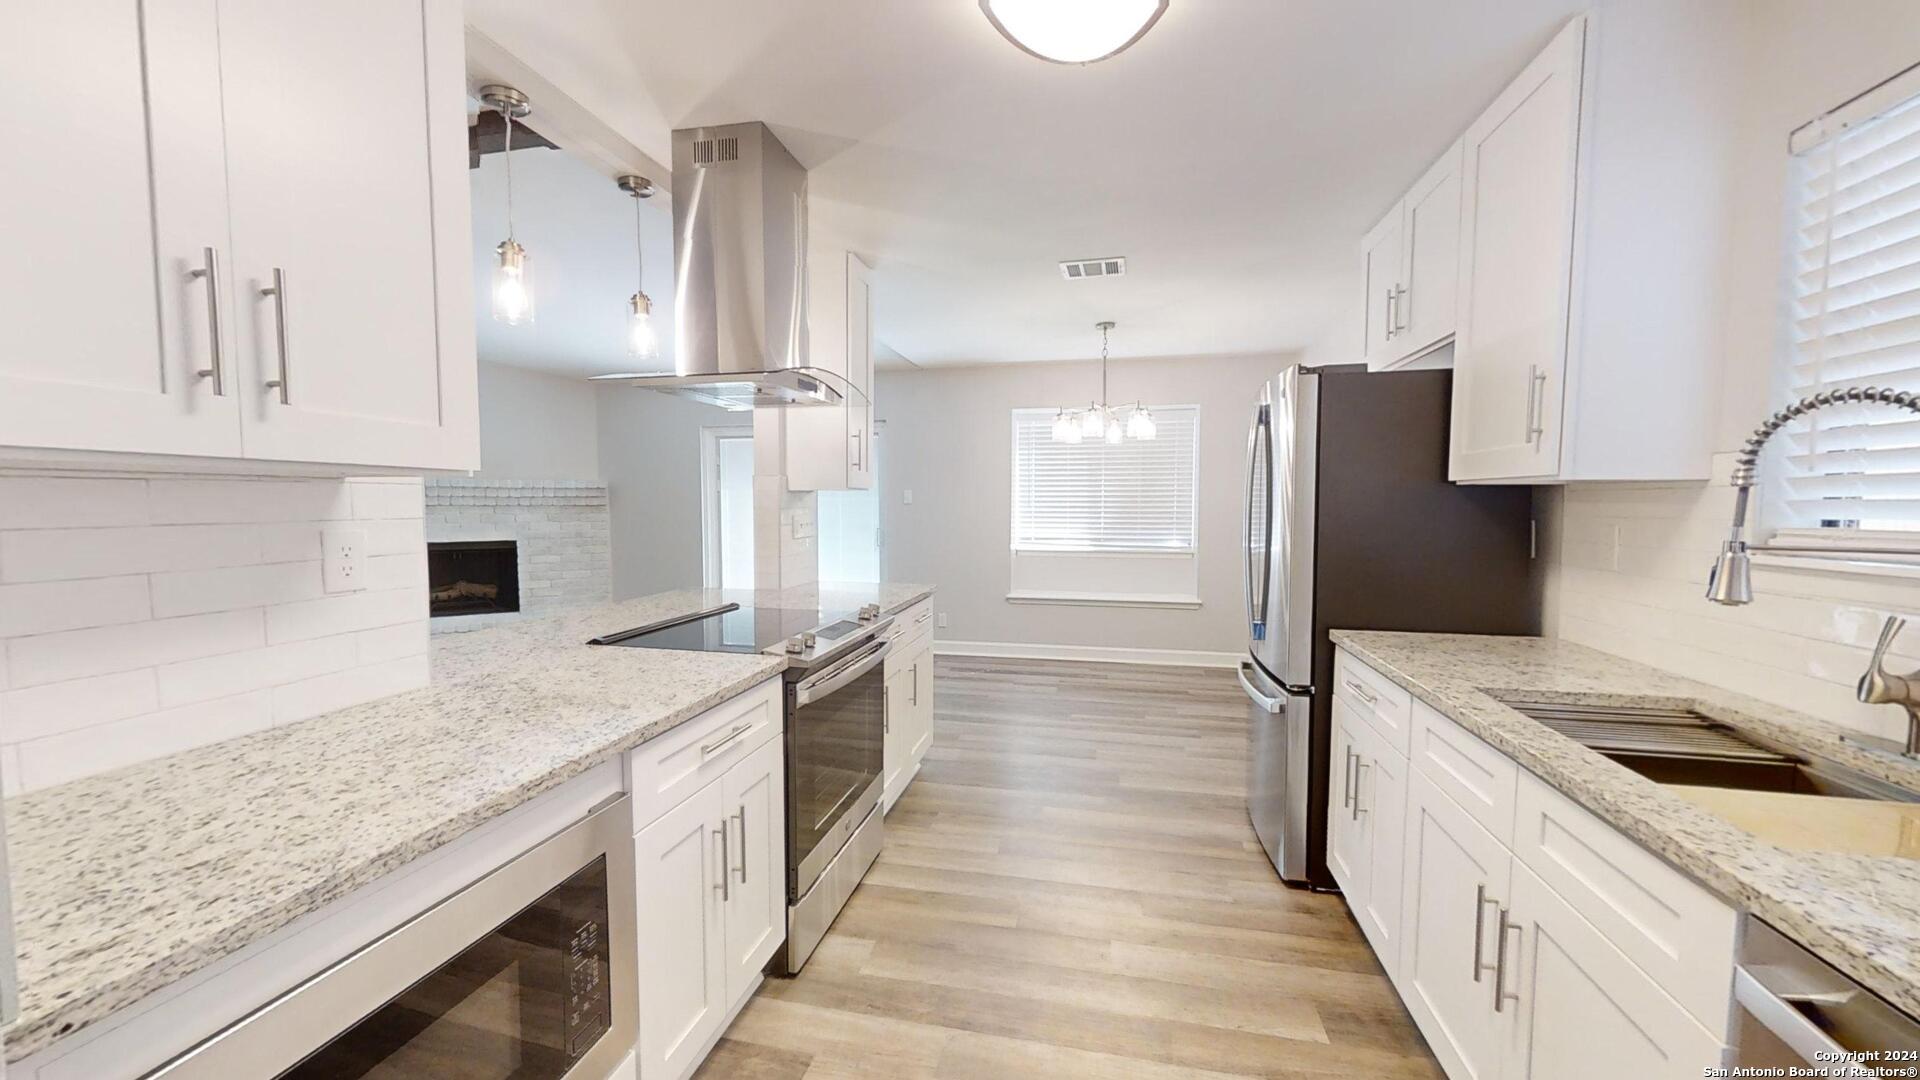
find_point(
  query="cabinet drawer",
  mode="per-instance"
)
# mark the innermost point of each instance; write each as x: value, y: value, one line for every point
x: 1387, y: 706
x: 1668, y: 925
x: 913, y: 621
x: 1475, y: 775
x: 664, y: 772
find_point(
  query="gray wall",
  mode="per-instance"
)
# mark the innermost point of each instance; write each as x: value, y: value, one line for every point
x: 535, y: 426
x: 650, y: 458
x: 948, y: 439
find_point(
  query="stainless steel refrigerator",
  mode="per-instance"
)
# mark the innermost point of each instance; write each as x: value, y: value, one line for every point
x: 1350, y: 523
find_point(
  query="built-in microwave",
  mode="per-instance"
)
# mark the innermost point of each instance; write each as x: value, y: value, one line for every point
x: 527, y: 974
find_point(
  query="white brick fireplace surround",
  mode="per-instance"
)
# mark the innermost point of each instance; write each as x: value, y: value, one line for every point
x: 143, y: 617
x: 560, y: 530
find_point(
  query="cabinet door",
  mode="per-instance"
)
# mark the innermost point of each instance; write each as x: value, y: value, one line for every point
x: 1518, y: 173
x: 1457, y: 879
x: 113, y: 194
x: 346, y: 149
x: 893, y: 753
x: 1432, y: 263
x: 1580, y: 1009
x: 1344, y: 835
x: 1382, y: 796
x: 756, y: 894
x: 920, y: 694
x: 1380, y: 265
x: 683, y: 983
x: 860, y: 372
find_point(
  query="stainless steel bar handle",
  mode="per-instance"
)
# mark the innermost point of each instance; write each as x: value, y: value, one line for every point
x: 1480, y: 902
x: 742, y: 818
x: 210, y: 270
x: 1346, y: 778
x: 859, y: 451
x: 1272, y: 705
x: 915, y: 700
x: 278, y: 290
x: 733, y: 733
x: 1400, y: 316
x: 835, y: 678
x: 924, y: 616
x: 1500, y: 993
x: 1358, y: 764
x: 1389, y: 313
x: 726, y: 865
x: 1536, y: 413
x: 1360, y: 691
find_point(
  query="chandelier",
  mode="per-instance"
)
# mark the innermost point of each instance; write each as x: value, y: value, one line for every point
x: 1098, y: 420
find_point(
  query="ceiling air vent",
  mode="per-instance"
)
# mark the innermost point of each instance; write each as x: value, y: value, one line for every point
x: 1080, y: 269
x: 716, y: 151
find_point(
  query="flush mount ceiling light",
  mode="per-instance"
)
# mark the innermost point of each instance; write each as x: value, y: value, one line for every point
x: 643, y: 340
x: 1073, y: 31
x: 1100, y: 420
x: 512, y: 284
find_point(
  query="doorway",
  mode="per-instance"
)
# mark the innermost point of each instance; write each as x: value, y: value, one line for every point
x: 726, y: 459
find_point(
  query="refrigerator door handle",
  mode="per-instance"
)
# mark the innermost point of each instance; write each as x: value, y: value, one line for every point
x: 1273, y: 705
x: 1259, y: 524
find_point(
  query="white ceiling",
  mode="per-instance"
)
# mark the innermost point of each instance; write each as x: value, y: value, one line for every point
x: 1234, y: 156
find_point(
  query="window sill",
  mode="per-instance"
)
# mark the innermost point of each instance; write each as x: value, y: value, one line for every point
x: 1899, y: 566
x: 1135, y: 600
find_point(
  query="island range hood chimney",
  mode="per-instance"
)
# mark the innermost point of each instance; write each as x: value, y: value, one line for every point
x: 740, y: 275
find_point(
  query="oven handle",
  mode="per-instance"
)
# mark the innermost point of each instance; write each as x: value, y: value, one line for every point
x: 835, y: 678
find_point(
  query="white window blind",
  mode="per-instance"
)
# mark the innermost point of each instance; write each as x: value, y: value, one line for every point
x: 1856, y: 288
x: 1136, y: 495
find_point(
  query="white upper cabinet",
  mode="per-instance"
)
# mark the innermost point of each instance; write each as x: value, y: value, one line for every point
x: 1408, y: 265
x: 1591, y: 229
x: 248, y: 234
x: 109, y: 312
x: 830, y: 448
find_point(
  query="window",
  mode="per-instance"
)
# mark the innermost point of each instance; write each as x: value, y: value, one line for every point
x: 1106, y: 523
x: 1850, y: 475
x: 1136, y: 495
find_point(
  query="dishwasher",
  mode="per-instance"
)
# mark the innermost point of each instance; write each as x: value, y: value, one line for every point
x: 1795, y: 1010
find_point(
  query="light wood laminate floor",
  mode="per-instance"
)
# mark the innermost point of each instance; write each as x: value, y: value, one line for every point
x: 1071, y: 889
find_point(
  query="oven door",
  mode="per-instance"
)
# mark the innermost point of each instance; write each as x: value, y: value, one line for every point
x: 836, y: 734
x: 527, y: 974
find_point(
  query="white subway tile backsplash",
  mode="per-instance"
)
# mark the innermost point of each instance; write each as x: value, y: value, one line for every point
x: 77, y: 703
x: 49, y: 606
x: 195, y: 502
x: 67, y: 554
x: 76, y: 654
x: 134, y: 614
x: 43, y: 502
x: 255, y: 669
x: 229, y: 588
x: 344, y: 614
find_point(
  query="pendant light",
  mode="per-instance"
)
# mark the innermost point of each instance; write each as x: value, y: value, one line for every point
x: 643, y: 338
x: 1099, y: 420
x: 512, y: 283
x: 1073, y: 31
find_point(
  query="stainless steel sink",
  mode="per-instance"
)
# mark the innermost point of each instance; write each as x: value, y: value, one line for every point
x: 1680, y: 746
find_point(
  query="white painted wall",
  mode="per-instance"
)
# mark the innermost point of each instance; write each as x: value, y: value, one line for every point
x: 535, y: 426
x: 143, y: 617
x: 1628, y: 562
x: 650, y: 460
x: 948, y: 440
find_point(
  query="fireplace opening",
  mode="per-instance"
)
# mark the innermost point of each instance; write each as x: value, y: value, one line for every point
x: 473, y: 577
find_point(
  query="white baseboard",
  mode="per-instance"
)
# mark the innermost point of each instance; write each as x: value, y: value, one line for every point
x: 1098, y: 654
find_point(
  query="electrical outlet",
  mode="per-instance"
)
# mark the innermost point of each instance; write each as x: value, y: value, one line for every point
x: 343, y: 560
x: 942, y: 620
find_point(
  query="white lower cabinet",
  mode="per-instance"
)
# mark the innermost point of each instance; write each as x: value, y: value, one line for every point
x: 909, y: 714
x: 1598, y: 960
x: 1580, y: 1009
x: 712, y: 902
x: 628, y: 1069
x: 1457, y: 877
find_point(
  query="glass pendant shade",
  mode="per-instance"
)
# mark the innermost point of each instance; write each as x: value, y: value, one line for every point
x: 643, y: 339
x: 1073, y: 31
x: 1115, y: 430
x: 512, y: 285
x: 1140, y: 425
x: 1093, y: 422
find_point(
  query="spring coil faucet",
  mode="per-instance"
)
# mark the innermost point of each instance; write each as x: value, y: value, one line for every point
x: 1731, y: 581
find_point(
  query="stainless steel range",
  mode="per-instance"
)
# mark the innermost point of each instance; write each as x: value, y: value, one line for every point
x: 835, y: 735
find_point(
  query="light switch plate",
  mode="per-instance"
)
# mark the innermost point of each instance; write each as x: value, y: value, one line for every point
x: 343, y: 560
x: 907, y: 496
x: 941, y: 621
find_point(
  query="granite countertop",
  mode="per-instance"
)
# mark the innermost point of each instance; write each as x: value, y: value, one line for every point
x: 128, y: 881
x: 1859, y: 912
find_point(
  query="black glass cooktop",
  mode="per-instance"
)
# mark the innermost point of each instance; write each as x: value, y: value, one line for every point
x: 732, y: 628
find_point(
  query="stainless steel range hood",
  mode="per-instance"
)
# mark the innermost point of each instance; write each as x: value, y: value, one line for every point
x: 740, y: 275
